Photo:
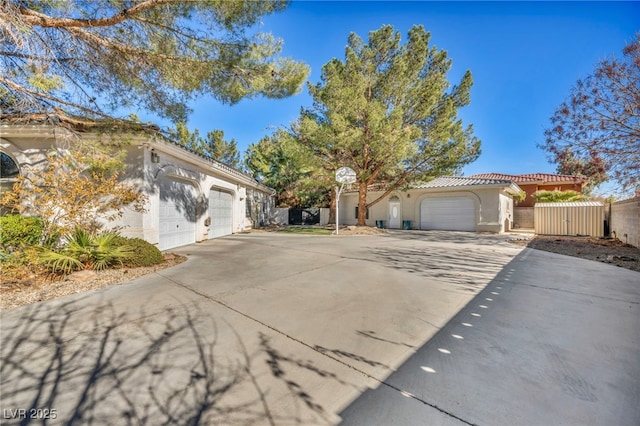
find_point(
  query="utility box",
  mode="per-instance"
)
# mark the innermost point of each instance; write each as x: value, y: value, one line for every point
x: 580, y: 218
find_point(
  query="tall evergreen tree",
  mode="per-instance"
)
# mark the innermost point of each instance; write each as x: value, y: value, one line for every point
x: 213, y: 145
x: 389, y: 112
x: 95, y: 57
x: 283, y: 164
x: 219, y: 149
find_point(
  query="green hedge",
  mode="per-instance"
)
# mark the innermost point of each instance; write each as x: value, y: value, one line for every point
x: 144, y: 253
x: 18, y: 231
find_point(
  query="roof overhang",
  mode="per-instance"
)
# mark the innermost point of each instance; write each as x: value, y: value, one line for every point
x: 149, y: 139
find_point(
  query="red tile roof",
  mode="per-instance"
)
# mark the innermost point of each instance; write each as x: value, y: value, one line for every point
x: 534, y: 178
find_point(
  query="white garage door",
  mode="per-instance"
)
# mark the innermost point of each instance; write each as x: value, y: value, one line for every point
x: 221, y: 213
x: 177, y: 213
x: 450, y: 214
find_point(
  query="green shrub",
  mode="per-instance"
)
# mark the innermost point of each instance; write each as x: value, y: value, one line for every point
x: 18, y: 231
x: 85, y: 250
x: 144, y: 253
x: 557, y: 196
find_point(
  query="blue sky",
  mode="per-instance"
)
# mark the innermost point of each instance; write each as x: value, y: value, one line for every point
x: 524, y: 58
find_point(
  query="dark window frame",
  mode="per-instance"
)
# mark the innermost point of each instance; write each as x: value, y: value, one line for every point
x: 366, y: 216
x: 7, y: 161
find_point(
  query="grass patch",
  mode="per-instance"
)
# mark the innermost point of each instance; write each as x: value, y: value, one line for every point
x: 306, y: 230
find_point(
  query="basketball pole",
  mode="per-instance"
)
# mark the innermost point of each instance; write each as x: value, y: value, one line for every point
x: 338, y: 192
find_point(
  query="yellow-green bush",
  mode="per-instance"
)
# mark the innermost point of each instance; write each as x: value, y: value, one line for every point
x: 143, y: 252
x: 18, y: 231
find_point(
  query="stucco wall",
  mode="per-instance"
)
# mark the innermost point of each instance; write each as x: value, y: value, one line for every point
x: 281, y: 216
x: 523, y: 217
x: 625, y: 221
x: 172, y: 167
x: 28, y: 146
x: 490, y: 213
x: 324, y: 215
x: 506, y: 212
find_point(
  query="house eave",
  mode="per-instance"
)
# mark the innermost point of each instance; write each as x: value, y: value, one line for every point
x: 152, y: 140
x: 212, y: 166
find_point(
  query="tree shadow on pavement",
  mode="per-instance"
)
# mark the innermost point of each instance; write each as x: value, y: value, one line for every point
x: 277, y: 364
x: 465, y: 269
x: 370, y: 334
x: 456, y: 237
x: 165, y: 368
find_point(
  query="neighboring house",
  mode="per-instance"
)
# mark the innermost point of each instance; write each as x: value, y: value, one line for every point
x: 191, y: 198
x: 445, y: 203
x: 530, y: 184
x: 533, y: 182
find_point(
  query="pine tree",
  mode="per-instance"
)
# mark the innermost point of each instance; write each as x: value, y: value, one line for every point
x: 94, y: 57
x: 389, y: 112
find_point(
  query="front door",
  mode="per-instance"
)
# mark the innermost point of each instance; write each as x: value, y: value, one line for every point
x: 394, y: 214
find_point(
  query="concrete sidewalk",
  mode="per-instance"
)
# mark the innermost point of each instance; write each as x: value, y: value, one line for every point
x: 552, y: 340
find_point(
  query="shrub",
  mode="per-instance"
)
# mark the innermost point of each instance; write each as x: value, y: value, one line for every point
x: 84, y: 250
x: 557, y: 196
x: 19, y: 231
x: 80, y: 187
x: 143, y: 252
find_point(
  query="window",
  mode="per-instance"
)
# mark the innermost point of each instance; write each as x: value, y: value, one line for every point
x: 366, y: 214
x: 9, y: 171
x: 8, y: 168
x: 247, y: 207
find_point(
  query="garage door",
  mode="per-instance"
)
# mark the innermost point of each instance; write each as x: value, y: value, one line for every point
x: 177, y: 213
x: 221, y: 213
x: 450, y: 214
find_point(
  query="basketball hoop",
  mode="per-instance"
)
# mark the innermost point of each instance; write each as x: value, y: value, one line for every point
x: 344, y: 175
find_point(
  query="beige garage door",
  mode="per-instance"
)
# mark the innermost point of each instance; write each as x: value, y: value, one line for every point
x: 448, y: 213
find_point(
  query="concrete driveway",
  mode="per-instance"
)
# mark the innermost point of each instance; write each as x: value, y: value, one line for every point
x: 272, y: 329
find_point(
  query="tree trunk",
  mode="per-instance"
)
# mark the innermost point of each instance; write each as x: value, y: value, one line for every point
x: 332, y: 207
x: 362, y: 204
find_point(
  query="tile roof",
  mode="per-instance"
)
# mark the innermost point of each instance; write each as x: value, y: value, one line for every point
x: 441, y: 182
x: 455, y: 181
x: 533, y: 177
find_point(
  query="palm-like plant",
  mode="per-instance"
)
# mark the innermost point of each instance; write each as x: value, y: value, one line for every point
x: 557, y: 196
x: 84, y: 250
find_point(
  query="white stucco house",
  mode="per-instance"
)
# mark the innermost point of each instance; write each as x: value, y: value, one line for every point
x: 190, y: 198
x: 445, y: 203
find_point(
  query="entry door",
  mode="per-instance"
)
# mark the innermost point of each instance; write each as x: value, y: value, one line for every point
x: 394, y: 214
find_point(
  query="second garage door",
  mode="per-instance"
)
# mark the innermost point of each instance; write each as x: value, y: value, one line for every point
x: 448, y: 213
x: 221, y: 213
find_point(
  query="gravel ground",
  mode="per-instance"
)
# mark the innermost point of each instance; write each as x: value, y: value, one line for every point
x: 38, y: 288
x: 607, y: 250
